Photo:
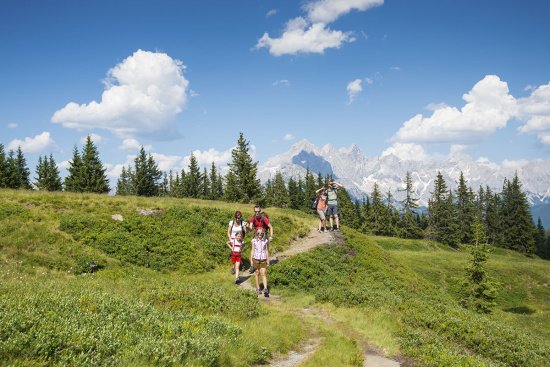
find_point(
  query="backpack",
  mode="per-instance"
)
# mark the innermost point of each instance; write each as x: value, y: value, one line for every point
x: 261, y: 220
x: 314, y: 206
x: 243, y: 232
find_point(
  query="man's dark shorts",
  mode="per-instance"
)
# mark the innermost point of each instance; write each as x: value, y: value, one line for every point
x: 332, y: 210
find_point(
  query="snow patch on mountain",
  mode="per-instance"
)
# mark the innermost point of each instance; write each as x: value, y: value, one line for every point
x: 358, y: 173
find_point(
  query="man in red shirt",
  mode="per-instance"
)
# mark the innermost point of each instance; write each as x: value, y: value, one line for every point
x: 260, y: 220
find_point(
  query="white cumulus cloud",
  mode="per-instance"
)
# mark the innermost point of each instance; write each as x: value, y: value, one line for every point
x: 96, y: 139
x: 535, y: 112
x: 282, y: 81
x: 42, y: 143
x: 300, y: 36
x: 407, y: 151
x: 289, y: 137
x: 514, y: 164
x: 206, y: 157
x: 12, y: 125
x: 488, y: 107
x: 354, y: 88
x: 142, y: 96
x: 133, y: 144
x: 327, y: 11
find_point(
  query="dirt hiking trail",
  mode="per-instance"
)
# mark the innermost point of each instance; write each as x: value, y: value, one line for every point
x: 372, y: 355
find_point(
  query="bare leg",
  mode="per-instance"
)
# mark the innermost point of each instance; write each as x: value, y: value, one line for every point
x: 264, y: 278
x: 257, y: 276
x: 237, y: 266
x: 337, y: 222
x: 331, y: 221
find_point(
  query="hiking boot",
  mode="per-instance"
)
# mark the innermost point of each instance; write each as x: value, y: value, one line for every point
x: 266, y: 292
x: 251, y: 270
x: 320, y: 230
x: 232, y: 270
x: 332, y: 229
x: 337, y: 229
x: 237, y: 280
x: 258, y: 291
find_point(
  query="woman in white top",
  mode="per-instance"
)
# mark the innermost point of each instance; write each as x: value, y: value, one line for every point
x: 235, y: 226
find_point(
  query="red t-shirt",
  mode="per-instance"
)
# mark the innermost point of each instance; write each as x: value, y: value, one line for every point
x: 259, y: 222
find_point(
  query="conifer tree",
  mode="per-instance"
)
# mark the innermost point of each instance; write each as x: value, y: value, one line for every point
x: 541, y: 241
x: 74, y: 182
x: 493, y: 220
x: 293, y: 194
x: 216, y: 183
x: 390, y: 217
x: 244, y: 172
x: 23, y: 172
x: 48, y: 175
x: 464, y: 205
x: 478, y: 290
x: 93, y: 173
x: 146, y: 175
x: 375, y: 210
x: 193, y: 177
x: 3, y: 167
x: 346, y: 210
x: 409, y: 226
x: 124, y: 184
x: 231, y: 190
x: 519, y: 229
x: 309, y: 191
x: 280, y: 194
x: 320, y: 181
x: 12, y: 179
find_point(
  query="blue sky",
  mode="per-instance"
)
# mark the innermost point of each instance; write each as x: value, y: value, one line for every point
x: 419, y: 79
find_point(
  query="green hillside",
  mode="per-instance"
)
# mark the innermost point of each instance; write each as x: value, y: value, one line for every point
x: 162, y: 294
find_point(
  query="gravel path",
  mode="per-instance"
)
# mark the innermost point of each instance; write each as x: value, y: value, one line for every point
x: 373, y: 357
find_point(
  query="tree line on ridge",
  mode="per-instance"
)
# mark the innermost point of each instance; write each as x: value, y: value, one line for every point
x: 451, y: 216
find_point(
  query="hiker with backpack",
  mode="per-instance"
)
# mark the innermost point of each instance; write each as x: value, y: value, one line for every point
x: 259, y: 254
x: 235, y: 226
x: 332, y: 210
x: 260, y: 220
x: 321, y: 207
x: 236, y: 245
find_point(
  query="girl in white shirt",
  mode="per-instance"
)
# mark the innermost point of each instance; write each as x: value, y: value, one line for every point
x: 259, y: 254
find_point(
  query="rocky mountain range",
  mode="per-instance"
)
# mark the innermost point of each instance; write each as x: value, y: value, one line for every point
x: 358, y: 173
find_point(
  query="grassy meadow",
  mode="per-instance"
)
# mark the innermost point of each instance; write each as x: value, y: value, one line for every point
x: 163, y: 295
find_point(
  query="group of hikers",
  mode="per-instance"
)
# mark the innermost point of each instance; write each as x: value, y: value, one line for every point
x: 326, y: 204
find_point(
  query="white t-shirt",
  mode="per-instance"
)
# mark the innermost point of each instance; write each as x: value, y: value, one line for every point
x: 236, y: 228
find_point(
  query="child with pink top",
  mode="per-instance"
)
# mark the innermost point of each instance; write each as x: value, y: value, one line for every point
x: 259, y: 254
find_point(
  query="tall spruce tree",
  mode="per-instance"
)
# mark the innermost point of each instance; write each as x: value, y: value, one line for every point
x: 293, y: 194
x: 309, y: 191
x: 3, y: 167
x: 12, y: 179
x: 519, y: 229
x: 146, y: 175
x: 124, y: 185
x: 193, y: 177
x: 541, y: 240
x: 375, y: 211
x: 390, y: 217
x: 465, y: 210
x: 93, y: 173
x: 409, y: 225
x: 23, y: 173
x: 280, y: 194
x: 479, y: 291
x: 74, y: 182
x: 243, y: 171
x: 48, y: 175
